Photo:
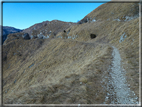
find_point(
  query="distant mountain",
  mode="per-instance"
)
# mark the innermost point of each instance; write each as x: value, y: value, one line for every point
x: 8, y: 30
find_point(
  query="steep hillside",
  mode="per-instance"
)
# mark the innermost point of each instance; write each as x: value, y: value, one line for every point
x: 93, y: 62
x: 113, y: 11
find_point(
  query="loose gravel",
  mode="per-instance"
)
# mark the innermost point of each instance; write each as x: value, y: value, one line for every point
x: 118, y: 90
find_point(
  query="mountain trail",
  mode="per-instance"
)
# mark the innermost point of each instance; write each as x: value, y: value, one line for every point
x: 117, y: 88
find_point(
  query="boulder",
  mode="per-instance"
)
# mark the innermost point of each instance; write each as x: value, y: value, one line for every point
x: 26, y: 36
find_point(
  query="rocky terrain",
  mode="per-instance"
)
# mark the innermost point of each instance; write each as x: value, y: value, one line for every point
x: 47, y: 29
x: 94, y: 61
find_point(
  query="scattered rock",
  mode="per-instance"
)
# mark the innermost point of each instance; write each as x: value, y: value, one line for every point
x: 122, y: 38
x: 33, y: 36
x: 84, y: 20
x: 31, y: 65
x: 40, y: 36
x: 15, y: 81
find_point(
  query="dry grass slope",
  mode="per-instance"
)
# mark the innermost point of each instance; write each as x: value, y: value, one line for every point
x: 73, y: 70
x: 79, y: 65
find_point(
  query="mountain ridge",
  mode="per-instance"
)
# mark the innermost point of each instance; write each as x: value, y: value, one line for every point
x: 6, y: 30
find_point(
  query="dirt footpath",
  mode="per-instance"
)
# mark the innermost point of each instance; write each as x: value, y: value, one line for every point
x: 118, y: 85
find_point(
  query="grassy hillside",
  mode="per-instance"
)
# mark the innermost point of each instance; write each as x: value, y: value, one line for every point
x: 57, y: 64
x: 72, y: 68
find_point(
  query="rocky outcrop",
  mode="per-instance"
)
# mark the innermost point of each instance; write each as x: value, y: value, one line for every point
x: 44, y: 29
x: 26, y: 36
x: 15, y: 36
x: 84, y: 20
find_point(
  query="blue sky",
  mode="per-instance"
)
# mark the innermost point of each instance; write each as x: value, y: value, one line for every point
x: 24, y: 15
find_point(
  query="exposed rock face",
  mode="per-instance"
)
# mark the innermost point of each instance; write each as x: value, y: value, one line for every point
x: 26, y: 36
x: 68, y: 67
x: 40, y: 36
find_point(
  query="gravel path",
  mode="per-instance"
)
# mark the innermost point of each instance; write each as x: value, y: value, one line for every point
x: 118, y: 90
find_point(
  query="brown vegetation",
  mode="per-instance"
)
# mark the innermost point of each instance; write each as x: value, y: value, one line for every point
x: 72, y: 71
